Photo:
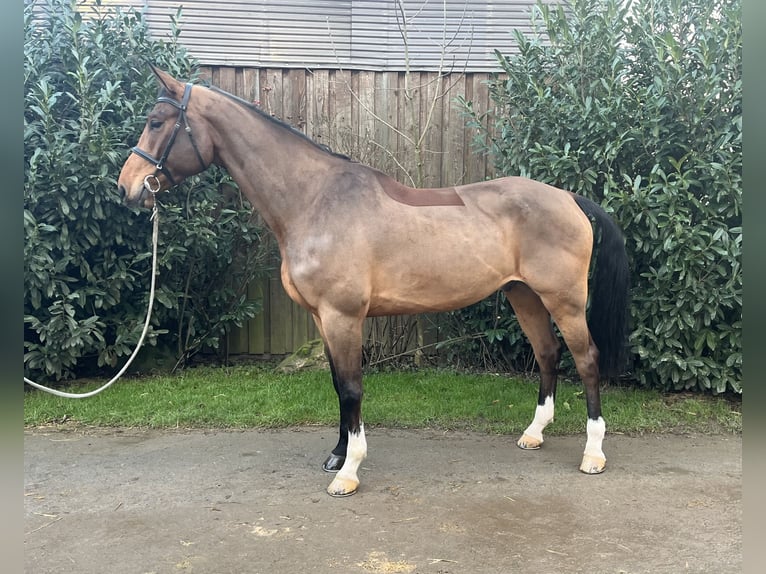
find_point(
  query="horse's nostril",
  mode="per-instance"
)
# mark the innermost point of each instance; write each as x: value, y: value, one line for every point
x: 123, y: 191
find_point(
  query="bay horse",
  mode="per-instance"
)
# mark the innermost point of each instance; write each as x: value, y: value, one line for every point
x: 355, y: 243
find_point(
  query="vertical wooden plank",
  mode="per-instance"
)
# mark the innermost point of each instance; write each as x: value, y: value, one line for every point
x: 417, y: 168
x: 238, y: 340
x: 431, y: 332
x: 365, y: 124
x: 399, y: 142
x: 453, y: 143
x: 227, y: 79
x: 306, y: 322
x: 289, y: 97
x: 483, y: 82
x: 385, y: 112
x: 353, y: 134
x: 430, y: 131
x: 300, y: 326
x: 332, y: 107
x: 258, y: 341
x: 205, y: 73
x: 311, y: 105
x: 294, y: 98
x: 407, y: 119
x: 313, y: 329
x: 340, y: 111
x: 278, y: 91
x: 476, y: 164
x: 317, y: 111
x: 251, y: 88
x: 266, y: 89
x: 490, y: 166
x: 297, y: 326
x: 470, y: 168
x: 281, y: 313
x: 271, y: 92
x: 238, y: 82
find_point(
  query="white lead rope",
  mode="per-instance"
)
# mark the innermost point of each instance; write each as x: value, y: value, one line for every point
x: 155, y: 237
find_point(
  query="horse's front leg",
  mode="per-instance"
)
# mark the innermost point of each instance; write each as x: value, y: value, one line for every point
x: 337, y: 456
x: 342, y: 337
x: 533, y: 435
x: 535, y: 321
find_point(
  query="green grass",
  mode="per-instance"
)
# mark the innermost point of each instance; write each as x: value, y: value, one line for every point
x: 254, y: 396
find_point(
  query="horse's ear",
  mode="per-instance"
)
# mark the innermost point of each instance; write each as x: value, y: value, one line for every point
x: 164, y: 78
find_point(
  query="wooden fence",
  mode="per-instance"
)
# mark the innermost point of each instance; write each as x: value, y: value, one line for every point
x: 407, y: 125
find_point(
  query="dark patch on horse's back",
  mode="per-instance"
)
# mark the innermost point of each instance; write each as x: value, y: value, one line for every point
x: 419, y: 197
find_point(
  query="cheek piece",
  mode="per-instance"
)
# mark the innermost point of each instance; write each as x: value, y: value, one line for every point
x: 159, y: 164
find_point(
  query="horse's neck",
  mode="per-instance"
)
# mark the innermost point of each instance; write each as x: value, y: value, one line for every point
x: 276, y: 170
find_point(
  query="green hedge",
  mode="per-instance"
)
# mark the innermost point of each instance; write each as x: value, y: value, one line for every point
x: 87, y: 256
x: 639, y: 107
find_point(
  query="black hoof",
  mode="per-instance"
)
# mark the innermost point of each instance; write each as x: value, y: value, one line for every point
x: 333, y: 463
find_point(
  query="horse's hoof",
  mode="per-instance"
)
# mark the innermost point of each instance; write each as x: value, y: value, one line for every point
x: 333, y: 463
x: 592, y: 464
x: 341, y: 487
x: 529, y: 443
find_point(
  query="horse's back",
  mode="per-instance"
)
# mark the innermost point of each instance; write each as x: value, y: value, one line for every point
x: 532, y: 208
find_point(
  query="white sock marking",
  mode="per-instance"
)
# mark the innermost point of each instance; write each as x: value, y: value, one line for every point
x: 596, y: 431
x: 543, y: 417
x: 356, y: 452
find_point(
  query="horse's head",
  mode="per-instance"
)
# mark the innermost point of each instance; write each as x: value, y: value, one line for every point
x: 174, y: 145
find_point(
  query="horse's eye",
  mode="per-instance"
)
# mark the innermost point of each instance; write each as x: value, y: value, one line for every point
x: 155, y: 124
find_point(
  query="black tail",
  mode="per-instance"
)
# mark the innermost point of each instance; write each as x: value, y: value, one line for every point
x: 609, y: 292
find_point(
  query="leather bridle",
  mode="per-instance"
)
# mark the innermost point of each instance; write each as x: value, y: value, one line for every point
x: 181, y: 120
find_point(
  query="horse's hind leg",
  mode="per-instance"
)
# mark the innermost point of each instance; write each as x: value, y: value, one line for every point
x: 536, y: 323
x: 342, y: 336
x: 570, y: 318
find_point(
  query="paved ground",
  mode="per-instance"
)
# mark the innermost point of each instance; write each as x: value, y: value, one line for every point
x: 140, y: 502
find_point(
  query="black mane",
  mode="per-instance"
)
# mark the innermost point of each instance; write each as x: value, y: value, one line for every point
x: 282, y: 124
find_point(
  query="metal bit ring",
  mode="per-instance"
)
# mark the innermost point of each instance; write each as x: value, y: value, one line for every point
x: 148, y: 185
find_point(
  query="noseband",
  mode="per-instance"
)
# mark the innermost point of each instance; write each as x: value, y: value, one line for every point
x: 160, y: 163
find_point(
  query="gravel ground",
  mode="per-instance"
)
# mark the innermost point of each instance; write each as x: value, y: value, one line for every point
x: 126, y: 501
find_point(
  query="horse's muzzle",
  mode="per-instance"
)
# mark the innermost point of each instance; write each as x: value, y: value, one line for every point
x: 139, y: 200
